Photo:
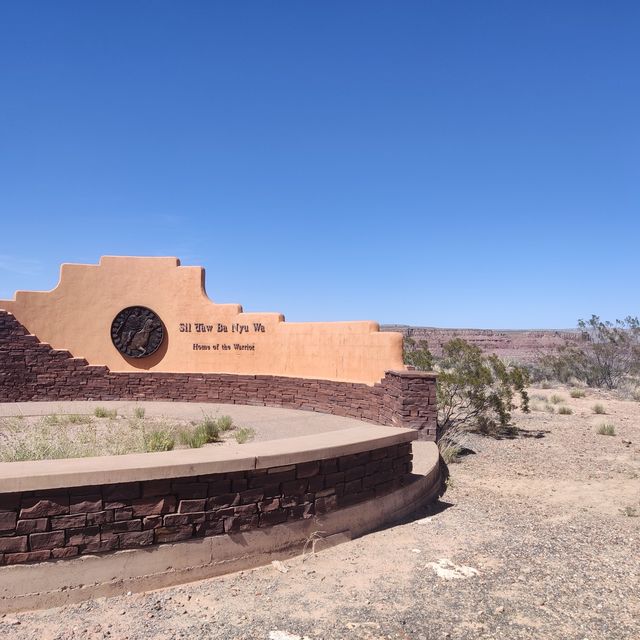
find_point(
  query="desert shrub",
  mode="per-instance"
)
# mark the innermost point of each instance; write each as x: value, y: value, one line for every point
x: 102, y: 412
x: 606, y: 429
x: 549, y: 408
x: 608, y: 353
x: 139, y: 413
x: 52, y: 420
x: 556, y: 399
x: 158, y: 440
x: 475, y: 391
x: 635, y: 394
x: 577, y: 393
x: 244, y: 434
x: 564, y: 411
x: 598, y: 408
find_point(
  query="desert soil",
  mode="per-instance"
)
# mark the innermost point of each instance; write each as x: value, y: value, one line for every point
x: 536, y: 537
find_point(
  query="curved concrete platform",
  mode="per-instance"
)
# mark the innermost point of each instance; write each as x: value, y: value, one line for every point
x: 51, y: 584
x: 44, y: 475
x: 270, y: 423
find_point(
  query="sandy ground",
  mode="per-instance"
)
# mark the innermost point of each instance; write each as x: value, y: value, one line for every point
x: 536, y: 537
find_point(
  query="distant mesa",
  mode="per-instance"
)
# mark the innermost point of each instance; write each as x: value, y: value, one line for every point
x: 513, y: 345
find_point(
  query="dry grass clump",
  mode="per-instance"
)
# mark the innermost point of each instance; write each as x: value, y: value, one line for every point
x: 598, y: 409
x: 159, y: 440
x: 556, y: 399
x: 577, y: 393
x: 564, y: 411
x: 102, y: 412
x: 56, y: 419
x: 204, y: 433
x: 244, y: 434
x: 606, y: 429
x: 211, y: 429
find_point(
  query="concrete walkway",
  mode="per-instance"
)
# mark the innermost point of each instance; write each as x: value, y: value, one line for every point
x: 269, y: 423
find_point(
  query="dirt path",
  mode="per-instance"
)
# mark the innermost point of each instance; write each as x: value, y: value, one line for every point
x: 536, y: 538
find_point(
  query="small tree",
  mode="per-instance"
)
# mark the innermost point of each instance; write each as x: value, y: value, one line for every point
x: 475, y: 390
x: 608, y: 353
x: 612, y: 351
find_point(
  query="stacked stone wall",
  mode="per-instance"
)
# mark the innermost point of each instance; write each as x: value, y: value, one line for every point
x: 37, y: 526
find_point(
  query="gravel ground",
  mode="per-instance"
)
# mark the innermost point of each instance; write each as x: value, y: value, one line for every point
x: 537, y: 537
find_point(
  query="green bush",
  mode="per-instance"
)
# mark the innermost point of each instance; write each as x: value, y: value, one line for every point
x: 475, y: 390
x: 417, y: 354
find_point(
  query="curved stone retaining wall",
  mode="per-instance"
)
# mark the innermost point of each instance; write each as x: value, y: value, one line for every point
x: 72, y: 512
x: 32, y: 370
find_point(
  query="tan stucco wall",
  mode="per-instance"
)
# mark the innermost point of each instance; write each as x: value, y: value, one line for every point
x: 78, y: 313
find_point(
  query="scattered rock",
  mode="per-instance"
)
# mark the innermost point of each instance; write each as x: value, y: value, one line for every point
x: 280, y: 566
x: 446, y: 570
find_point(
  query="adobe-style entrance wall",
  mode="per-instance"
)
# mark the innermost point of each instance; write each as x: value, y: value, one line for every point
x: 32, y: 370
x: 199, y: 335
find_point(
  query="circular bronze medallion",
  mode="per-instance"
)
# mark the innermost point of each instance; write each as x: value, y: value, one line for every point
x: 137, y: 332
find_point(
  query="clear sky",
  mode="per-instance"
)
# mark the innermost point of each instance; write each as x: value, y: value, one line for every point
x: 435, y: 163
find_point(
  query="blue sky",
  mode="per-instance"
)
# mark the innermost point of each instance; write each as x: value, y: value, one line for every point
x: 435, y: 163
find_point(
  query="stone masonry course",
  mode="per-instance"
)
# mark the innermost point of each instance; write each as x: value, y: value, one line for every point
x: 36, y: 526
